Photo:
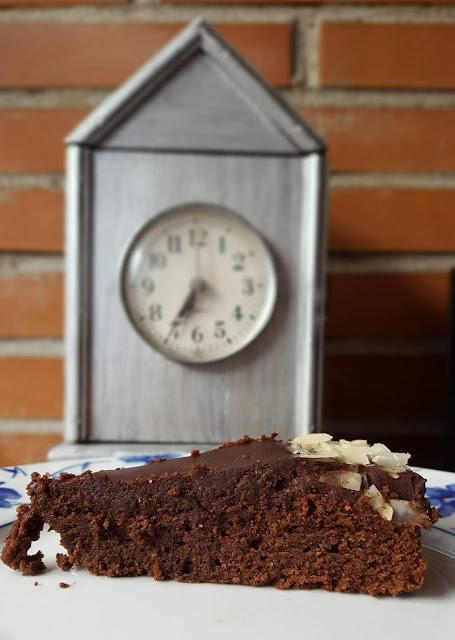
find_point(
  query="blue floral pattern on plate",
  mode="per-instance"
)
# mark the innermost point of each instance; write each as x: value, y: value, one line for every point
x: 443, y: 498
x: 144, y: 459
x: 14, y: 471
x: 8, y: 497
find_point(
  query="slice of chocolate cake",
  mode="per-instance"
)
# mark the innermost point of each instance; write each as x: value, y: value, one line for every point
x: 312, y: 513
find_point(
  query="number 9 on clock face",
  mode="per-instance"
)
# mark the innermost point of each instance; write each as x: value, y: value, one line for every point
x: 198, y: 283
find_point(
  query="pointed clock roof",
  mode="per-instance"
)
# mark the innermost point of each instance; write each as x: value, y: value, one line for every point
x: 197, y: 95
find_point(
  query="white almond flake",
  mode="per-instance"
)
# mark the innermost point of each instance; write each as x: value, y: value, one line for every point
x: 403, y: 511
x: 402, y: 458
x: 356, y: 455
x: 392, y: 461
x: 322, y: 445
x: 378, y: 503
x: 345, y: 479
x: 311, y: 439
x: 380, y: 449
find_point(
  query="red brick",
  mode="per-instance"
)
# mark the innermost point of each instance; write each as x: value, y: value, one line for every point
x: 392, y: 387
x: 31, y: 388
x: 384, y: 220
x: 31, y: 306
x: 31, y: 140
x: 363, y: 139
x: 388, y: 305
x: 26, y: 448
x: 31, y: 220
x: 104, y: 55
x: 355, y: 54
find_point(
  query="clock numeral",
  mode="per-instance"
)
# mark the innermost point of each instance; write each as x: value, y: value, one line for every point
x: 173, y: 332
x: 155, y: 312
x: 174, y: 244
x: 220, y: 331
x: 148, y: 285
x: 222, y: 245
x: 157, y: 260
x: 198, y: 237
x: 197, y: 336
x: 237, y: 313
x: 238, y: 260
x: 248, y: 287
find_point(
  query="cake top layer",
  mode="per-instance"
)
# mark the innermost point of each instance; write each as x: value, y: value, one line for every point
x: 268, y: 450
x: 231, y: 455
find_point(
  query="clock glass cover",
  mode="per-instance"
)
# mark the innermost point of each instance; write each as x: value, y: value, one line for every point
x: 198, y: 283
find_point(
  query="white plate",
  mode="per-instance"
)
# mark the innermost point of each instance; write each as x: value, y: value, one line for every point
x: 114, y: 609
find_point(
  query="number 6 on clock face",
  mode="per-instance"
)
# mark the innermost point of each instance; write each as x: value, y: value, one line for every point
x: 198, y: 283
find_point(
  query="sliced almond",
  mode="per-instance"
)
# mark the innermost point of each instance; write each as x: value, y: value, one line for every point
x: 378, y: 503
x: 311, y: 439
x: 322, y: 445
x: 345, y: 479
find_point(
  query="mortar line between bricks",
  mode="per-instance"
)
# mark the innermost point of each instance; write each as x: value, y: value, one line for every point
x: 337, y: 180
x: 307, y: 53
x: 21, y: 264
x: 31, y: 348
x: 389, y: 98
x: 51, y: 181
x: 51, y: 98
x: 390, y: 263
x: 153, y: 12
x: 389, y: 180
x: 31, y: 426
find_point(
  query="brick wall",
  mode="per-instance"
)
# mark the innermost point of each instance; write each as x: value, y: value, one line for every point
x: 377, y: 79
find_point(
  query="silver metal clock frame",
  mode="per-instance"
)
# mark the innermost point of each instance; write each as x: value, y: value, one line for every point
x: 114, y: 128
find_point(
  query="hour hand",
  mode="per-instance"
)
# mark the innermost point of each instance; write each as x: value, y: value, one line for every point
x: 197, y: 287
x: 188, y: 303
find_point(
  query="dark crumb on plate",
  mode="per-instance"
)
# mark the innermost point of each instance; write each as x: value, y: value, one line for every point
x: 36, y: 583
x: 63, y: 585
x: 63, y: 561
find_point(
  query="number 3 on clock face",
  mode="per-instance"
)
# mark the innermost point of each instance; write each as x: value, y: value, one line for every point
x: 198, y: 283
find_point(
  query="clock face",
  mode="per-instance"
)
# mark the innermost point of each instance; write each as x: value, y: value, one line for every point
x: 198, y: 283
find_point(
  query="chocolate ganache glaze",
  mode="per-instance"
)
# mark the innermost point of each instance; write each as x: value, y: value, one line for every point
x: 406, y: 485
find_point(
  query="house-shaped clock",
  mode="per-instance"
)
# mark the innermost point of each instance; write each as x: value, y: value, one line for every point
x: 195, y: 257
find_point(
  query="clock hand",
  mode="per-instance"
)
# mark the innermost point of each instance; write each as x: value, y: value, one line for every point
x: 197, y: 286
x: 188, y: 304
